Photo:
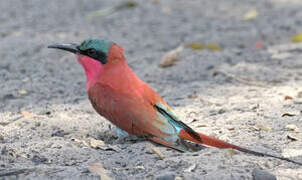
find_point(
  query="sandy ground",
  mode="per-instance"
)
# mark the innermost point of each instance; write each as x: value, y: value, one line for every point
x: 232, y: 105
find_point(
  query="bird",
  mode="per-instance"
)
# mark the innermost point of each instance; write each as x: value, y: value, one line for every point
x: 120, y: 96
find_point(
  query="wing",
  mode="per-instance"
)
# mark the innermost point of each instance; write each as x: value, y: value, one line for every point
x: 168, y: 117
x: 134, y: 111
x: 167, y: 112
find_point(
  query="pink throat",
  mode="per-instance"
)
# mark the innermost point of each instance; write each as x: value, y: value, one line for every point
x: 92, y: 68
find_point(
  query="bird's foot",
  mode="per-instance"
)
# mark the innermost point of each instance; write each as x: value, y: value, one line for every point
x: 121, y: 135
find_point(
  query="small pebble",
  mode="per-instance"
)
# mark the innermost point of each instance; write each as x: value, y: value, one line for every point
x: 59, y: 133
x: 291, y: 127
x: 262, y: 175
x: 166, y: 177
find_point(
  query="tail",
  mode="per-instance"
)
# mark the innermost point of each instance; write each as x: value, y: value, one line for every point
x: 211, y: 141
x: 187, y: 133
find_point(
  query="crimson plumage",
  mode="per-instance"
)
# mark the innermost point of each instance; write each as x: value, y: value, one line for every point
x: 117, y: 94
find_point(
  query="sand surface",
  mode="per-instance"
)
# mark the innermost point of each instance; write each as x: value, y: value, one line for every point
x: 236, y: 94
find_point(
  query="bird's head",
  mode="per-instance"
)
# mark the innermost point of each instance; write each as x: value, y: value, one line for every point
x: 105, y: 52
x: 94, y: 55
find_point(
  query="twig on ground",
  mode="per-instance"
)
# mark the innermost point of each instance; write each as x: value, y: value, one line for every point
x: 244, y: 80
x: 14, y: 172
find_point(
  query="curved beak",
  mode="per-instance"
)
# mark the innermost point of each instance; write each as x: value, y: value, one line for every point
x: 73, y: 48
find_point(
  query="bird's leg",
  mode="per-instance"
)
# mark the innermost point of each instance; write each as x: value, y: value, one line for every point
x: 121, y: 134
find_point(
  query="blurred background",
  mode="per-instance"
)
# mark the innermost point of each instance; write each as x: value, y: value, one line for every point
x: 230, y: 69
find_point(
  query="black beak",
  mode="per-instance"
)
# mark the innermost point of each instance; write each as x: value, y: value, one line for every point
x: 67, y: 47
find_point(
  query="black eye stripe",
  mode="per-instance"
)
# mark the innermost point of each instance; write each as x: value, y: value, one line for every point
x: 97, y: 55
x: 91, y: 52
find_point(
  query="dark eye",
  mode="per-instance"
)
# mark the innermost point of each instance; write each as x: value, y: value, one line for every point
x: 91, y: 52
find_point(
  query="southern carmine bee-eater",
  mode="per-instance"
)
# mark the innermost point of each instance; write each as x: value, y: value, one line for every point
x: 117, y: 94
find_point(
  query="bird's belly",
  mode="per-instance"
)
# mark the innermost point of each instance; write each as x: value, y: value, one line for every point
x: 117, y: 114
